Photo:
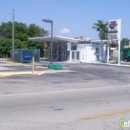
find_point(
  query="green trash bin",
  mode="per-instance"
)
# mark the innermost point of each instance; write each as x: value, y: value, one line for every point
x: 57, y: 67
x: 50, y: 66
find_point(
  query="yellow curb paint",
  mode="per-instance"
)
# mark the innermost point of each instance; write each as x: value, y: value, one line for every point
x: 33, y: 64
x: 5, y: 74
x: 106, y: 114
x: 25, y: 72
x: 2, y: 74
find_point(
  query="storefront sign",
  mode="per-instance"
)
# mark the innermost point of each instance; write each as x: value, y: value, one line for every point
x: 96, y: 51
x: 114, y: 30
x: 114, y: 36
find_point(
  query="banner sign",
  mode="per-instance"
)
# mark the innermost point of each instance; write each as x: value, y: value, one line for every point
x: 114, y: 30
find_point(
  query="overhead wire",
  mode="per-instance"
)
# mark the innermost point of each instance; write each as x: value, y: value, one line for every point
x: 3, y: 21
x: 5, y: 17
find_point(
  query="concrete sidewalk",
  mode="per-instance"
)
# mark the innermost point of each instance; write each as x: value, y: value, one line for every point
x: 45, y: 63
x: 107, y: 64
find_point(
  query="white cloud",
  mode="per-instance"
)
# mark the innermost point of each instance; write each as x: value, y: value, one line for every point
x: 64, y: 31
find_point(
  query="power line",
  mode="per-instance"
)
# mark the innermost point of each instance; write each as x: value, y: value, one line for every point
x: 6, y: 17
x: 2, y: 31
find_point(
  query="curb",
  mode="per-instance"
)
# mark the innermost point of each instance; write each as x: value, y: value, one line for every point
x: 105, y: 64
x: 6, y: 74
x: 38, y: 73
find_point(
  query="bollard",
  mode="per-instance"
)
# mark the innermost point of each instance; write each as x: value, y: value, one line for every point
x: 33, y: 65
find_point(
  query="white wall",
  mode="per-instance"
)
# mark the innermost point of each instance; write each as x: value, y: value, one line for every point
x: 69, y: 49
x: 68, y: 45
x: 88, y: 52
x: 81, y: 47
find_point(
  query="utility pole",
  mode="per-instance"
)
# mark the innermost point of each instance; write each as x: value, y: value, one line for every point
x: 13, y: 37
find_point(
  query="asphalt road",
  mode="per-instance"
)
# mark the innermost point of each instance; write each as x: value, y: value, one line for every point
x: 64, y: 109
x: 64, y: 101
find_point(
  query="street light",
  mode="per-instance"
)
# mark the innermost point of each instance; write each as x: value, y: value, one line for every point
x: 50, y: 21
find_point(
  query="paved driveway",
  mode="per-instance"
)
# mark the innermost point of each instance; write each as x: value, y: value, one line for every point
x: 65, y: 100
x: 78, y: 76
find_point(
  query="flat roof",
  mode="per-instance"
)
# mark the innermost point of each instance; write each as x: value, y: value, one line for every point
x: 68, y: 39
x: 56, y: 39
x: 98, y: 41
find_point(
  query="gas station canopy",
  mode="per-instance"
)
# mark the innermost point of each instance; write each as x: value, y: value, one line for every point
x: 56, y: 39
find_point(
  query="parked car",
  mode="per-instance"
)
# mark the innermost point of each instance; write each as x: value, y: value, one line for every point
x: 126, y: 59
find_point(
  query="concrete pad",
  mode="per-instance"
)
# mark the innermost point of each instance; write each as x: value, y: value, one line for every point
x: 53, y: 71
x: 5, y: 68
x: 5, y: 64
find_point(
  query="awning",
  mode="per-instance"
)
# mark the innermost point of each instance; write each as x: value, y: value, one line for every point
x: 67, y: 39
x: 56, y: 39
x: 99, y: 41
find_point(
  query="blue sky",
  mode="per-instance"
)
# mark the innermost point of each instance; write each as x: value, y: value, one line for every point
x: 76, y: 17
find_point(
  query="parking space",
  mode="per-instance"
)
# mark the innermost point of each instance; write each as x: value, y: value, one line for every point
x: 73, y: 76
x: 10, y: 68
x: 63, y: 97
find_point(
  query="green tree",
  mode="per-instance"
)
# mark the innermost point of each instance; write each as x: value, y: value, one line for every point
x: 21, y: 34
x: 36, y: 31
x: 102, y: 29
x: 6, y: 30
x: 36, y: 45
x: 6, y: 46
x: 21, y: 31
x: 124, y: 41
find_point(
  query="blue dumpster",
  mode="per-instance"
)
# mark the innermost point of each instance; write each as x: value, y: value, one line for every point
x: 25, y: 56
x: 22, y: 56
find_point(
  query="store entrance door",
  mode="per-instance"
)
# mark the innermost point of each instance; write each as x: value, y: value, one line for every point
x: 75, y: 55
x: 62, y: 52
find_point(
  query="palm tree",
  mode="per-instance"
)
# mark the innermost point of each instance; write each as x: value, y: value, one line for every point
x: 102, y: 28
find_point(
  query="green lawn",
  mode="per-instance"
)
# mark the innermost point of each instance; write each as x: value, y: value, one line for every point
x: 125, y: 63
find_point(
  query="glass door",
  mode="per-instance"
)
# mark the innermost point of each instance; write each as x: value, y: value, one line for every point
x: 62, y: 51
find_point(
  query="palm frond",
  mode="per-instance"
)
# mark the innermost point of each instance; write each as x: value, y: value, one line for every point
x: 102, y: 28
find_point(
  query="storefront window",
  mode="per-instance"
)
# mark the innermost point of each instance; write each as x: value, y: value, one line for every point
x: 73, y: 46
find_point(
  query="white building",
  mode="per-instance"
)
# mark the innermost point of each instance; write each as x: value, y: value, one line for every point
x: 74, y: 50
